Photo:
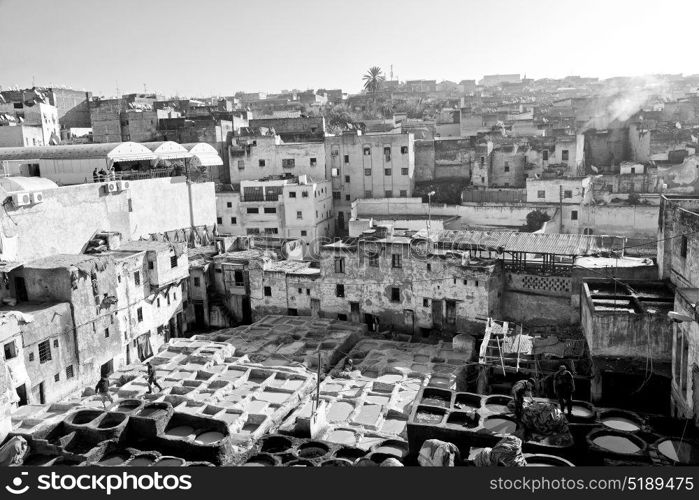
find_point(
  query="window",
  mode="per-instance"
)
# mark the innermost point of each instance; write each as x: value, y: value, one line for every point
x: 55, y: 343
x: 403, y: 193
x: 367, y: 172
x: 573, y: 215
x: 545, y: 155
x: 292, y: 194
x: 429, y: 266
x: 299, y: 214
x: 270, y: 210
x: 342, y: 317
x: 268, y: 291
x: 139, y: 314
x: 404, y: 150
x: 241, y: 164
x: 346, y: 158
x: 197, y: 282
x: 106, y: 332
x: 568, y: 194
x: 507, y: 166
x: 387, y: 171
x: 403, y: 171
x: 288, y: 163
x: 31, y: 356
x: 304, y: 232
x: 348, y: 197
x: 367, y: 150
x: 347, y: 179
x: 314, y: 162
x: 137, y: 278
x: 229, y: 205
x: 396, y: 260
x: 482, y: 159
x: 234, y: 220
x: 219, y: 220
x: 395, y: 294
x: 387, y: 152
x: 475, y: 283
x: 239, y: 278
x: 388, y: 194
x: 564, y: 155
x: 368, y: 194
x: 425, y: 302
x: 151, y: 264
x: 69, y: 372
x: 339, y: 290
x: 44, y: 351
x: 57, y: 377
x: 304, y: 194
x: 336, y: 195
x: 271, y: 230
x: 374, y: 260
x: 261, y: 163
x: 10, y: 350
x: 308, y: 291
x: 633, y: 170
x: 541, y: 194
x: 683, y: 247
x: 252, y: 230
x: 339, y: 264
x: 354, y: 307
x: 292, y: 312
x: 465, y: 282
x: 173, y: 261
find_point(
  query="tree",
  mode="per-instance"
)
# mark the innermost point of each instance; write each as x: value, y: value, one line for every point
x: 338, y: 118
x: 373, y: 79
x: 535, y: 221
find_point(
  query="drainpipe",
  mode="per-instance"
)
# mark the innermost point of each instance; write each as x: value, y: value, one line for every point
x: 191, y: 206
x: 560, y: 207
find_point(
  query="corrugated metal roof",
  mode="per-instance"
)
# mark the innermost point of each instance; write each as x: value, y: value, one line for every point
x: 536, y: 243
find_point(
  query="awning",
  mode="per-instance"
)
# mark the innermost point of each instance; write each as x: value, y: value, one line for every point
x: 204, y: 155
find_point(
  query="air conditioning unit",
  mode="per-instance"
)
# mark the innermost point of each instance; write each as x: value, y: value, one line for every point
x: 123, y: 185
x: 112, y: 187
x: 21, y: 199
x: 335, y: 172
x: 37, y: 197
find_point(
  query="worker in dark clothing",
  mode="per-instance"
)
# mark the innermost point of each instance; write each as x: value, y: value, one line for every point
x: 564, y: 387
x: 95, y: 175
x: 152, y: 381
x: 102, y: 388
x: 103, y: 175
x: 521, y: 390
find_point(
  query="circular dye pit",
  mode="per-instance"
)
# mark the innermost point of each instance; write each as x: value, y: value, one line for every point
x: 170, y: 462
x: 180, y: 431
x: 341, y: 436
x: 678, y: 451
x: 142, y: 461
x: 299, y: 463
x: 541, y: 460
x: 114, y: 459
x: 365, y: 462
x: 350, y: 454
x: 275, y: 444
x: 209, y: 437
x: 582, y: 411
x: 260, y: 461
x: 500, y: 425
x: 127, y: 405
x: 396, y: 449
x: 336, y: 462
x: 620, y: 424
x: 312, y: 449
x: 616, y: 444
x: 152, y: 412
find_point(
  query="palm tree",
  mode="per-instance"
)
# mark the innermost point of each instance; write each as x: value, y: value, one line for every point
x: 373, y: 79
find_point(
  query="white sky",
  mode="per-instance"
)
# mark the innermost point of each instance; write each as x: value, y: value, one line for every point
x: 202, y: 47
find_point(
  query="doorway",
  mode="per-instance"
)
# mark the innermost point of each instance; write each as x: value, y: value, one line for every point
x: 21, y: 289
x: 22, y: 394
x: 247, y: 310
x: 315, y: 308
x: 107, y: 368
x: 436, y: 313
x: 199, y: 315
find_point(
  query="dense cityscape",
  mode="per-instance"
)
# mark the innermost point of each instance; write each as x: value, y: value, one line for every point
x: 497, y: 271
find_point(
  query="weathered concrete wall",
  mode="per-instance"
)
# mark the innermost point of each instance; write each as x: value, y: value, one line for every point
x: 634, y: 221
x: 71, y: 215
x: 522, y: 306
x: 309, y: 159
x: 424, y: 160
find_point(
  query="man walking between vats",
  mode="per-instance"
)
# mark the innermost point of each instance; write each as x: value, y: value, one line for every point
x: 521, y: 390
x: 152, y: 381
x: 95, y: 175
x: 102, y: 388
x: 564, y: 387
